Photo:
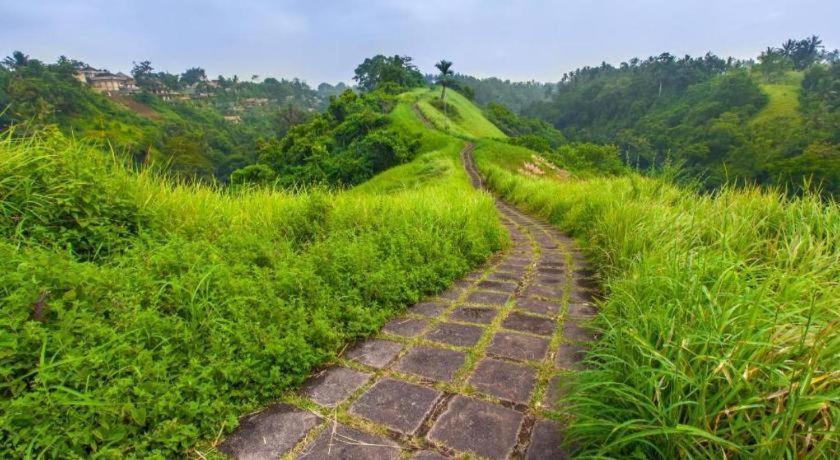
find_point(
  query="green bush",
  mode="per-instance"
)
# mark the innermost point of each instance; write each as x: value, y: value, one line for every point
x: 140, y: 317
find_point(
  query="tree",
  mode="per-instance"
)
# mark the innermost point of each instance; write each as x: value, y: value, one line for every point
x: 803, y: 52
x: 16, y: 60
x: 193, y: 75
x: 142, y: 73
x: 445, y: 68
x: 378, y: 70
x: 773, y: 64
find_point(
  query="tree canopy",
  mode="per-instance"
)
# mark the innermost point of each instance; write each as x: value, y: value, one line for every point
x: 397, y: 70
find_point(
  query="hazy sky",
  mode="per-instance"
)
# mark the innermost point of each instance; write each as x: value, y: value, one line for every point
x: 325, y: 40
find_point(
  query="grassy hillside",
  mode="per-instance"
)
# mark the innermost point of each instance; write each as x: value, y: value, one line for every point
x: 463, y: 119
x: 141, y: 316
x: 188, y: 138
x: 719, y: 333
x: 782, y: 99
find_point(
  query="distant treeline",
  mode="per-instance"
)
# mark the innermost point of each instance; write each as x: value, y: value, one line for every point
x: 770, y: 121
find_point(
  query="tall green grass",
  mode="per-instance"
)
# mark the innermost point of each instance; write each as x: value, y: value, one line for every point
x: 469, y: 123
x: 140, y: 316
x: 720, y: 332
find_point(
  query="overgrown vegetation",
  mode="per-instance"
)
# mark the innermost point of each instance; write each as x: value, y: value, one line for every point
x: 719, y: 332
x: 141, y: 315
x: 346, y: 145
x: 189, y: 138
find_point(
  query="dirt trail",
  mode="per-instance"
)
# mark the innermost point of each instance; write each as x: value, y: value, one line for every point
x: 475, y: 370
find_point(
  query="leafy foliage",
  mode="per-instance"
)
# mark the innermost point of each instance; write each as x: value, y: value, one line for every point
x: 379, y: 70
x: 346, y: 145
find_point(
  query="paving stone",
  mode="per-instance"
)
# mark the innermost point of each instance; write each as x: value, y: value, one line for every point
x: 556, y: 262
x: 474, y: 315
x: 433, y: 363
x: 510, y: 267
x: 269, y: 433
x: 471, y: 425
x: 508, y: 381
x: 462, y: 283
x: 405, y: 327
x: 544, y: 291
x: 582, y: 310
x: 550, y: 271
x: 554, y: 390
x: 501, y: 286
x: 505, y: 276
x: 488, y: 298
x: 569, y: 355
x: 523, y: 261
x: 546, y: 442
x: 452, y: 293
x: 586, y: 282
x: 430, y: 309
x: 580, y: 295
x: 525, y: 323
x: 517, y: 346
x: 538, y: 306
x: 574, y: 332
x: 428, y: 455
x: 333, y: 385
x: 374, y: 352
x: 344, y: 443
x: 459, y: 335
x: 550, y: 280
x: 399, y: 405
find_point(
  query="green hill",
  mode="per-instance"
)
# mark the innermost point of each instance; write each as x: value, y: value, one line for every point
x: 190, y: 138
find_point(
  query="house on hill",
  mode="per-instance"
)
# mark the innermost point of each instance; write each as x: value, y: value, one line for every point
x: 103, y: 81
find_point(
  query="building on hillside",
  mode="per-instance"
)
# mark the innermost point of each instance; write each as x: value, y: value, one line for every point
x: 235, y: 119
x: 103, y: 81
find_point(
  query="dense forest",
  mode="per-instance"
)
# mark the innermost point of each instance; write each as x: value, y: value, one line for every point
x: 772, y: 122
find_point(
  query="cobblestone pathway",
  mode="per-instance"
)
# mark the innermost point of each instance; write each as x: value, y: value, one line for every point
x: 473, y: 371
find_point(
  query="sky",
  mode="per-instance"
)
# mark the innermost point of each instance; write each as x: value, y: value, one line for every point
x: 325, y: 40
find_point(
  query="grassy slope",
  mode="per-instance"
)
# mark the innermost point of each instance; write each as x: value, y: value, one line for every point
x: 719, y: 333
x: 167, y: 311
x: 783, y: 99
x: 470, y: 123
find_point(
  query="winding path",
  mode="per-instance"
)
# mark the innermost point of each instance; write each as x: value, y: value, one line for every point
x: 475, y: 370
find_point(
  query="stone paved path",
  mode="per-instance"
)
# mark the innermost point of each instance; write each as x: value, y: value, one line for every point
x: 473, y: 372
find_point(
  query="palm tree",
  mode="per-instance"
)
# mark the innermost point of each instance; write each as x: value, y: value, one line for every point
x: 445, y: 68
